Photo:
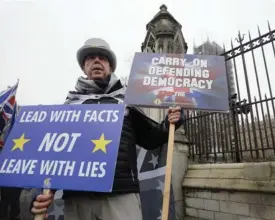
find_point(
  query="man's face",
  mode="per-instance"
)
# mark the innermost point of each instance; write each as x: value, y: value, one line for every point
x: 96, y: 67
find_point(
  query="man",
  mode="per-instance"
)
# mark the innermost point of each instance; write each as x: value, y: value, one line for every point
x: 101, y: 85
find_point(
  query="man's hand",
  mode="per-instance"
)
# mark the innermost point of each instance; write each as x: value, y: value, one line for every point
x: 174, y: 115
x: 42, y: 202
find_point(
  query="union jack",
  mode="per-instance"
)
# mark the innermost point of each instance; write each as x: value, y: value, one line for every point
x: 7, y: 102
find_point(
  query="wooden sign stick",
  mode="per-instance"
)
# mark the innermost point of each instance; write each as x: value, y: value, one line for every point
x: 46, y: 191
x: 42, y: 215
x: 168, y: 173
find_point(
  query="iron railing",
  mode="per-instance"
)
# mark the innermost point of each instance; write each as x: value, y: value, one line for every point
x: 247, y: 132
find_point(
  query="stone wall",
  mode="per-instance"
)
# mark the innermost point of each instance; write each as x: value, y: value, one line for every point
x: 228, y: 205
x: 243, y: 191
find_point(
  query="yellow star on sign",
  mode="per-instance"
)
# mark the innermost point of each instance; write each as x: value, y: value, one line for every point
x: 100, y: 144
x: 19, y: 143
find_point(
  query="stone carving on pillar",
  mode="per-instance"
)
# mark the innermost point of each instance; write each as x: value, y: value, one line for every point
x: 170, y: 47
x: 151, y: 45
x: 160, y: 46
x: 178, y: 47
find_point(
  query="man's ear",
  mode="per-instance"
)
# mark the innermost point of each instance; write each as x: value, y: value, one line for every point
x: 83, y: 65
x: 85, y: 73
x: 111, y: 70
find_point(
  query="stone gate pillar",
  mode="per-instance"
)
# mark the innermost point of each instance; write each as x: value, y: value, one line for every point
x: 164, y: 35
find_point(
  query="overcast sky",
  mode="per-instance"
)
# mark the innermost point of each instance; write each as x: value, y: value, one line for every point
x: 39, y: 39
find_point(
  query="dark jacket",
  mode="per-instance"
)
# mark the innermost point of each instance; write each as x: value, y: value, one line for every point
x: 138, y: 129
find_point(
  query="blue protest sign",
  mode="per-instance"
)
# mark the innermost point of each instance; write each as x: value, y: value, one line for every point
x: 70, y: 147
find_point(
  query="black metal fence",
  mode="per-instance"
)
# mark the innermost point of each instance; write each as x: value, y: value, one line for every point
x: 247, y: 132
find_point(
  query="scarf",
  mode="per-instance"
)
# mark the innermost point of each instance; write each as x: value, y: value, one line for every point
x: 90, y: 89
x: 95, y: 89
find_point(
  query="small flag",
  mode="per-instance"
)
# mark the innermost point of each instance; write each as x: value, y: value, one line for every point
x: 8, y: 110
x: 7, y: 102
